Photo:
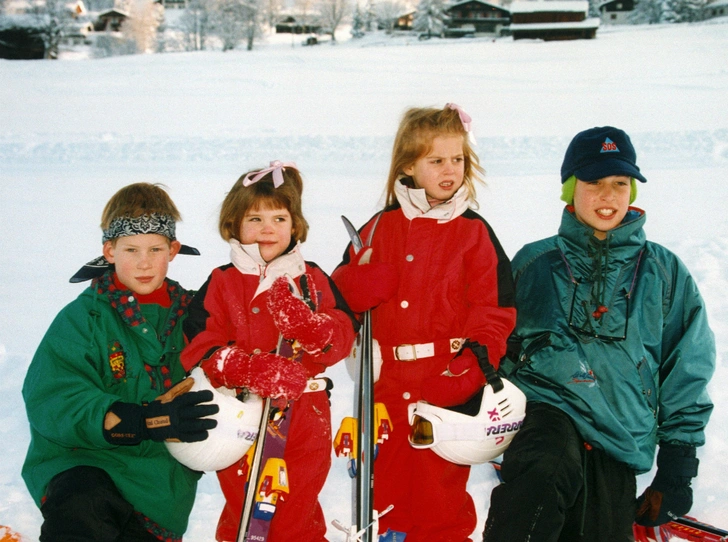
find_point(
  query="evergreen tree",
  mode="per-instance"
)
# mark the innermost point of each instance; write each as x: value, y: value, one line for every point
x: 647, y: 12
x: 688, y: 11
x: 594, y: 8
x: 357, y: 23
x: 370, y: 16
x: 54, y: 20
x: 430, y: 18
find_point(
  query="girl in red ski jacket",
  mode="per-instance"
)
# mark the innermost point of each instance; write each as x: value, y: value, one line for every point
x: 234, y: 326
x: 435, y: 274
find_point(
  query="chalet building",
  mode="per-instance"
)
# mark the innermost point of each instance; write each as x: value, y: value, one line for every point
x: 288, y: 24
x: 719, y: 8
x: 405, y: 21
x: 552, y: 20
x: 110, y: 20
x: 475, y: 17
x: 616, y: 11
x: 173, y: 4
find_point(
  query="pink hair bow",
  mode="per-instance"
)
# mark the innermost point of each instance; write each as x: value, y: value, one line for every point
x: 464, y: 117
x: 276, y: 166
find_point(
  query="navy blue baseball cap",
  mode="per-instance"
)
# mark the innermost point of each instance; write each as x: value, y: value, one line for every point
x: 600, y: 152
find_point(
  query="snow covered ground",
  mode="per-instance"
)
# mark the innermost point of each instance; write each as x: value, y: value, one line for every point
x: 73, y: 132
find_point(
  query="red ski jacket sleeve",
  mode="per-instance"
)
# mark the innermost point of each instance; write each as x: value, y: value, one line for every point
x: 227, y: 311
x: 454, y: 281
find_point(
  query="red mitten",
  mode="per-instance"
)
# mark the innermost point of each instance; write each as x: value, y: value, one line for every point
x: 455, y: 386
x: 267, y: 375
x: 296, y: 320
x: 365, y: 285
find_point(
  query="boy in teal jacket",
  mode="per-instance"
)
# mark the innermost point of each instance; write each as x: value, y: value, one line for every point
x: 613, y: 351
x: 97, y: 465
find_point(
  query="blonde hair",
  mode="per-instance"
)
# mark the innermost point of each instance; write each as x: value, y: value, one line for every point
x: 263, y: 195
x: 418, y: 127
x: 139, y: 199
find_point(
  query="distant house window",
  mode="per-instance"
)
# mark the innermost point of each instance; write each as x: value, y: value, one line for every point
x: 613, y: 16
x: 619, y: 5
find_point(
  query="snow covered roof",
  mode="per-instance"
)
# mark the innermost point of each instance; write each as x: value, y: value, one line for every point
x: 580, y: 25
x: 533, y: 6
x: 461, y: 2
x: 717, y: 3
x: 113, y: 11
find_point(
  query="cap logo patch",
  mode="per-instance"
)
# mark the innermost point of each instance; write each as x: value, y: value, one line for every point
x: 609, y: 146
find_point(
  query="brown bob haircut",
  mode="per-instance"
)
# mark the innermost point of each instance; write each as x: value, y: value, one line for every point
x: 263, y: 195
x: 418, y: 127
x: 139, y: 199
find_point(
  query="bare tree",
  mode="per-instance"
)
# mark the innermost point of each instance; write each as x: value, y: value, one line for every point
x: 54, y: 20
x: 235, y: 21
x: 388, y: 12
x: 303, y: 7
x: 332, y: 13
x: 145, y: 16
x: 271, y: 11
x: 195, y: 24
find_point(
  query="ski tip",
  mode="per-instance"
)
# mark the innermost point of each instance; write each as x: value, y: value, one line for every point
x: 8, y: 535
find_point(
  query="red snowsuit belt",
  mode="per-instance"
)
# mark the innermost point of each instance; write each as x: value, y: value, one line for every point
x: 315, y: 384
x: 413, y: 352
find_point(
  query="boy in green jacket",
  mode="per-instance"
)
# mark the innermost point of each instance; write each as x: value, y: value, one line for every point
x: 97, y: 465
x: 613, y: 351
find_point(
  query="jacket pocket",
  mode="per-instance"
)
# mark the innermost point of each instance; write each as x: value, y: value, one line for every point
x: 648, y: 385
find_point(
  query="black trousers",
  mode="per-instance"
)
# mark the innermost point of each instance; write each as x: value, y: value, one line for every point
x: 83, y: 505
x: 557, y: 489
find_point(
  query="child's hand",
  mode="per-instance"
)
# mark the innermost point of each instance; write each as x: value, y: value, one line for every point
x: 365, y: 285
x: 183, y: 418
x: 459, y: 383
x: 264, y: 374
x: 295, y: 319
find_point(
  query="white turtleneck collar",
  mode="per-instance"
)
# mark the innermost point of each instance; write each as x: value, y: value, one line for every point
x: 247, y: 260
x: 415, y: 205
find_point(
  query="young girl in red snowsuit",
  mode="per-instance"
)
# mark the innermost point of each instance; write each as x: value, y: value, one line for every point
x: 234, y: 326
x: 435, y: 276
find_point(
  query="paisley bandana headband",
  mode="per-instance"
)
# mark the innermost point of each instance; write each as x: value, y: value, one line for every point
x: 125, y: 226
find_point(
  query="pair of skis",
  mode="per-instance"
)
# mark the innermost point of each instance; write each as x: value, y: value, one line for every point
x: 681, y: 528
x: 267, y: 475
x: 366, y: 520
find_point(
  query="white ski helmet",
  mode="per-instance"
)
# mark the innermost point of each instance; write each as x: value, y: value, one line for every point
x: 470, y: 439
x: 353, y: 360
x: 237, y: 428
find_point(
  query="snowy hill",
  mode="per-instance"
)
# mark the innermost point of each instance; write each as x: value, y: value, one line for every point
x: 73, y: 132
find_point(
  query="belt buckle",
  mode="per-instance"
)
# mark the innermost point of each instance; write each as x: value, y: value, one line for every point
x: 397, y: 356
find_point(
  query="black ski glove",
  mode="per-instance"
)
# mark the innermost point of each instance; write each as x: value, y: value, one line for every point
x: 182, y: 419
x: 670, y: 494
